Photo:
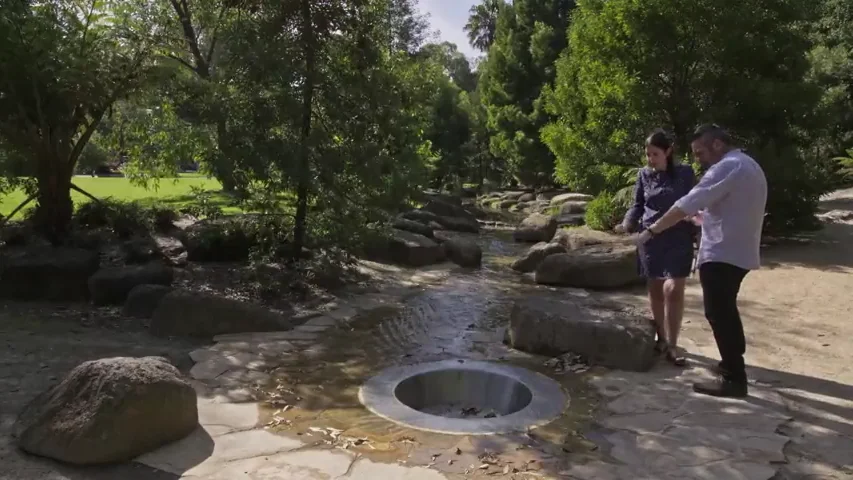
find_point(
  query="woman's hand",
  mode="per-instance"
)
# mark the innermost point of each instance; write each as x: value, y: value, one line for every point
x: 620, y: 229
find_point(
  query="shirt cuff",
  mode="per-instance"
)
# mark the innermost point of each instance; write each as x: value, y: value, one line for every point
x: 688, y: 205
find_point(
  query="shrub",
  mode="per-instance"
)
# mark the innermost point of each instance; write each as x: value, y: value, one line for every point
x: 125, y: 219
x: 604, y: 212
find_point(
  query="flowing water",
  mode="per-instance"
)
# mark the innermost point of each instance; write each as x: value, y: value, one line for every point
x: 460, y: 314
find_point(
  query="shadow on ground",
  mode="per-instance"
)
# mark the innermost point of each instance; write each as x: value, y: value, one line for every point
x: 39, y: 344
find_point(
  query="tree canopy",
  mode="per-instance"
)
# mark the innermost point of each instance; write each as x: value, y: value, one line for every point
x: 331, y: 115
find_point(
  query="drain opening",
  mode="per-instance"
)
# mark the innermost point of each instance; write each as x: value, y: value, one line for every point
x: 458, y: 393
x: 463, y: 397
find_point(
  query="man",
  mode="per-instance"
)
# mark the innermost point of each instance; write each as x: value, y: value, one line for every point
x: 731, y: 197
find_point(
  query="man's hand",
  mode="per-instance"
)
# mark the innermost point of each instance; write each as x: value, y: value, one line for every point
x: 696, y: 219
x: 621, y: 229
x: 643, y: 237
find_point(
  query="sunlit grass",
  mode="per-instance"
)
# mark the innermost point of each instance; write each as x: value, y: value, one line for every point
x: 175, y: 193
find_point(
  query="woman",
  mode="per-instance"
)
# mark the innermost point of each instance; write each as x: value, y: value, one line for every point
x: 665, y: 260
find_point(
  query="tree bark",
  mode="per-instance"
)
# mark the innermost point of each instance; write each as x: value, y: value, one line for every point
x: 304, y: 168
x: 224, y: 168
x: 54, y: 209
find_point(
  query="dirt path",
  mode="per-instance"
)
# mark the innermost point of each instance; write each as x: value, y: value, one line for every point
x: 797, y: 308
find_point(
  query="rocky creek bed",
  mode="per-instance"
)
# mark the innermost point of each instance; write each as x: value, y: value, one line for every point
x: 283, y: 404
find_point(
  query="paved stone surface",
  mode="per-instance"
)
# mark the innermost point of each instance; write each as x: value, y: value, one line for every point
x: 654, y: 426
x: 658, y: 428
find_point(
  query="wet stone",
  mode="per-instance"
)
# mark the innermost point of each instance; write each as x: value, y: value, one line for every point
x: 343, y: 313
x: 266, y: 336
x: 241, y: 376
x: 312, y: 328
x: 322, y: 321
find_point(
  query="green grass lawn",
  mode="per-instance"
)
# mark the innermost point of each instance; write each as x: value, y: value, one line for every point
x: 171, y: 192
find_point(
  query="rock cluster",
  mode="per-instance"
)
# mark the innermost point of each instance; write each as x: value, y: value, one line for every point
x: 582, y: 258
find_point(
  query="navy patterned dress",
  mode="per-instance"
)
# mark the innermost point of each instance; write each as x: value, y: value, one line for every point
x: 670, y: 253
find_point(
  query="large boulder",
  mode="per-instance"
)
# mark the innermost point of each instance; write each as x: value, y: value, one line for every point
x: 547, y: 195
x: 535, y: 255
x: 143, y: 300
x: 171, y: 249
x: 463, y: 252
x: 47, y: 273
x: 201, y: 315
x: 108, y: 411
x: 421, y: 216
x: 446, y: 209
x: 558, y: 200
x: 507, y: 204
x: 457, y: 224
x: 572, y: 220
x: 597, y: 267
x: 576, y: 238
x: 572, y: 208
x: 413, y: 226
x: 110, y: 286
x: 413, y: 250
x: 512, y: 195
x: 606, y: 334
x: 444, y: 197
x: 139, y: 250
x: 536, y: 228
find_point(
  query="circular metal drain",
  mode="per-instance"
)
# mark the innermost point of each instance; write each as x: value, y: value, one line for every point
x: 463, y: 397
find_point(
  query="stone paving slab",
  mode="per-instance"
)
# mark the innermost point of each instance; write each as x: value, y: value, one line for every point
x: 661, y: 429
x: 654, y: 427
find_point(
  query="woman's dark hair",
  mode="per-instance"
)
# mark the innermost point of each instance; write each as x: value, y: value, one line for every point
x: 661, y: 140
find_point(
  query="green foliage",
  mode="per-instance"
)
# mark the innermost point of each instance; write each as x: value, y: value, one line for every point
x: 351, y: 141
x: 153, y: 140
x: 72, y: 60
x: 528, y: 39
x: 483, y: 23
x: 204, y: 204
x: 624, y: 196
x: 93, y: 156
x: 665, y: 63
x: 124, y: 219
x: 845, y: 164
x: 604, y: 212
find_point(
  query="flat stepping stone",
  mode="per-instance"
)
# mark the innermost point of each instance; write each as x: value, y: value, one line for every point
x: 323, y: 321
x: 260, y: 337
x: 312, y: 328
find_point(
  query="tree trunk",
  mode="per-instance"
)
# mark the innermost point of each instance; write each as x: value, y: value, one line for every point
x: 54, y: 209
x: 304, y: 168
x: 223, y: 170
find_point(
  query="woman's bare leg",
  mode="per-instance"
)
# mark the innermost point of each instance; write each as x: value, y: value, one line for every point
x: 673, y: 292
x: 657, y: 302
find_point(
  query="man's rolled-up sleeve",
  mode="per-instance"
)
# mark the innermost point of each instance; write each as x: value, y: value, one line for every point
x: 717, y: 182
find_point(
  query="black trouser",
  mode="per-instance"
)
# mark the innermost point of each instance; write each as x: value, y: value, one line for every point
x: 720, y: 287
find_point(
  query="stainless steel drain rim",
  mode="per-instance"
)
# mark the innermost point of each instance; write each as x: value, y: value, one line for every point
x: 547, y: 403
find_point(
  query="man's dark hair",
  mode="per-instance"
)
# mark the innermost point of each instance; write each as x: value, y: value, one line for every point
x: 711, y: 132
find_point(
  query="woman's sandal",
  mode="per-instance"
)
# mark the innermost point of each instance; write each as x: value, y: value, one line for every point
x: 660, y: 344
x: 661, y: 347
x: 676, y: 358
